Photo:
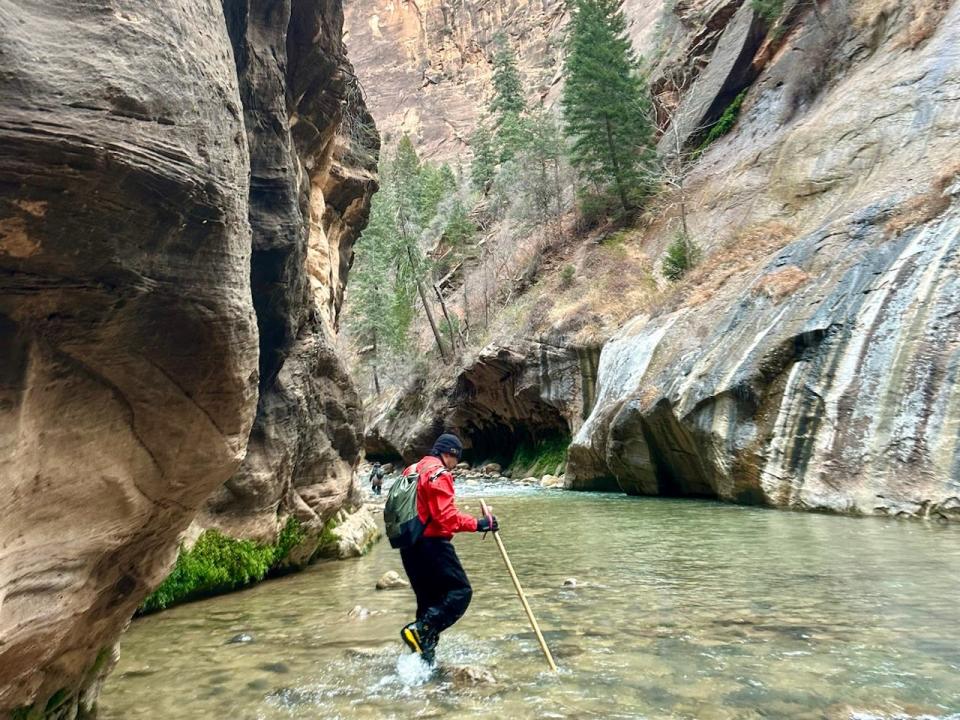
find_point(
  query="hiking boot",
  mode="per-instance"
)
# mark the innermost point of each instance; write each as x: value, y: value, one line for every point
x: 421, y: 639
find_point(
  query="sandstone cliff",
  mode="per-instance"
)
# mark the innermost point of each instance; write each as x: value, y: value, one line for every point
x: 140, y: 144
x: 313, y: 164
x: 809, y: 361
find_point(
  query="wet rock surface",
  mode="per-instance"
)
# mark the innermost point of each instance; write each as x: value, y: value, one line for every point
x: 391, y: 580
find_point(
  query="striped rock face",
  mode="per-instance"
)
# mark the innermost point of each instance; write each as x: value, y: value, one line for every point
x: 816, y: 369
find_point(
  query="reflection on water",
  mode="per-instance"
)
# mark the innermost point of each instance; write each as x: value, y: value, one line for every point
x: 682, y: 610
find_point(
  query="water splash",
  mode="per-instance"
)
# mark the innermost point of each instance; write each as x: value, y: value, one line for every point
x: 412, y: 671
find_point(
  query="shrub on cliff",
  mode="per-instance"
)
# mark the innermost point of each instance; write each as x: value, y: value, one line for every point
x: 681, y: 255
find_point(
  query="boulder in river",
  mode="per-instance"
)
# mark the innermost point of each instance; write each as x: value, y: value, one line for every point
x: 469, y: 675
x: 551, y: 481
x: 353, y: 535
x: 391, y: 580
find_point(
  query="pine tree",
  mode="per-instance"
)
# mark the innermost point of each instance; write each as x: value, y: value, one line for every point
x: 542, y: 155
x: 484, y: 165
x: 507, y: 104
x: 605, y: 102
x: 507, y: 89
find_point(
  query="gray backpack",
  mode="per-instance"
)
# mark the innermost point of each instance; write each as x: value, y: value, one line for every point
x: 400, y: 516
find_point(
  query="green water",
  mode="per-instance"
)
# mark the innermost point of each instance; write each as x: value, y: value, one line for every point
x: 683, y: 610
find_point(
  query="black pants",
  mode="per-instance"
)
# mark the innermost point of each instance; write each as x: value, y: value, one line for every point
x: 438, y: 580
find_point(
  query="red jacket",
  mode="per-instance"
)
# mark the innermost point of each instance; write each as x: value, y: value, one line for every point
x: 435, y: 504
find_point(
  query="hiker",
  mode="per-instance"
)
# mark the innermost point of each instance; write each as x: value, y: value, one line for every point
x: 376, y: 478
x: 438, y: 580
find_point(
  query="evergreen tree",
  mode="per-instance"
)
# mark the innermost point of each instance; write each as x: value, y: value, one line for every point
x: 605, y: 102
x: 507, y: 89
x: 507, y: 105
x: 542, y: 155
x: 436, y: 183
x: 484, y: 165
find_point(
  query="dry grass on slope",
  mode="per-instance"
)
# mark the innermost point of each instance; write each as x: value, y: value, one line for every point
x: 926, y: 206
x: 613, y: 282
x: 739, y: 255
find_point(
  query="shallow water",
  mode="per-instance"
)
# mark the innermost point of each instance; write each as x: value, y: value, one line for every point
x: 683, y: 609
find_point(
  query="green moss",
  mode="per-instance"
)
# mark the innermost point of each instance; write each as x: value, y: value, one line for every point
x: 292, y: 535
x: 770, y: 10
x: 26, y: 712
x: 56, y: 700
x: 100, y: 661
x: 726, y: 122
x: 540, y: 458
x: 219, y: 564
x: 328, y: 540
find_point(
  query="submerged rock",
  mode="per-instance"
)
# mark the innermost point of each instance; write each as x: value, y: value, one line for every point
x: 240, y: 639
x: 469, y: 675
x: 391, y: 580
x: 358, y: 612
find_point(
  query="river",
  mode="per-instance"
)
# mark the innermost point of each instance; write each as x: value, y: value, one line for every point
x: 682, y: 609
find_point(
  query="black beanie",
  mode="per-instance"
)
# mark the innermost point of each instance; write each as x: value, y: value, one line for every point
x: 448, y: 443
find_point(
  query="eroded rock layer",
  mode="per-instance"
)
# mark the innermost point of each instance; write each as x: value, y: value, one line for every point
x: 505, y: 397
x: 313, y: 152
x: 139, y: 142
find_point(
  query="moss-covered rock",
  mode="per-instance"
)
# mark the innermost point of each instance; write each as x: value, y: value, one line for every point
x: 545, y: 457
x: 218, y: 564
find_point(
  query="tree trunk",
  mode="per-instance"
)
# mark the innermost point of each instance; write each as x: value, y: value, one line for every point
x: 559, y: 195
x: 446, y: 316
x: 616, y: 167
x: 466, y: 306
x: 376, y: 378
x: 426, y: 306
x: 680, y: 173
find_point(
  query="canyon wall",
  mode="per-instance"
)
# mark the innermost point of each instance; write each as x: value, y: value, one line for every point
x: 179, y: 200
x: 809, y: 360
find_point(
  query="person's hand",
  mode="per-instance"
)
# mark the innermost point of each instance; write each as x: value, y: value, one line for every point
x: 486, y: 524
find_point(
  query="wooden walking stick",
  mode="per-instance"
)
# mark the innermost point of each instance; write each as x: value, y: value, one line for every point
x: 523, y: 598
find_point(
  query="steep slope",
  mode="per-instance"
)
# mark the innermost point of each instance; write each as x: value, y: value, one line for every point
x: 427, y: 64
x: 128, y: 329
x: 821, y: 375
x: 808, y: 361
